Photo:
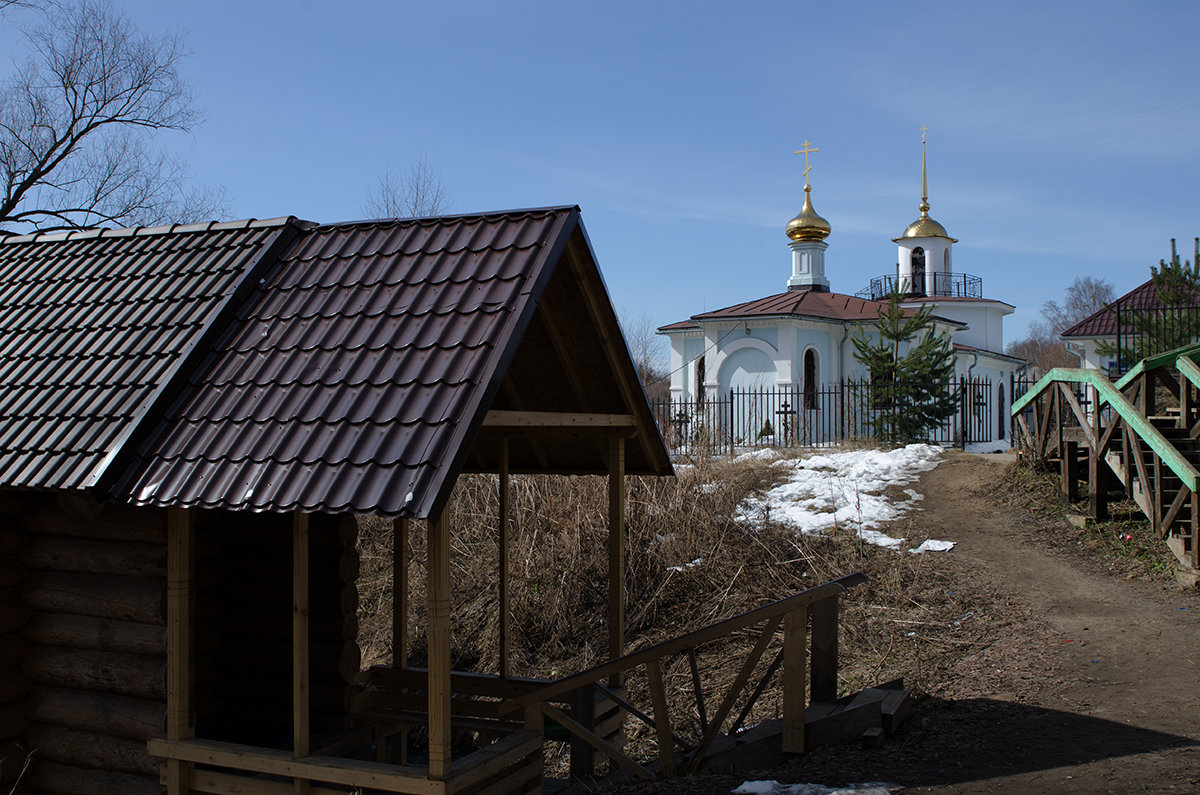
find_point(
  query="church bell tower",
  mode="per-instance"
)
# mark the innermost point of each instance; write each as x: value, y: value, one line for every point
x: 807, y: 233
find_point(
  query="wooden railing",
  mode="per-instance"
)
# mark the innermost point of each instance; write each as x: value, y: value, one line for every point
x: 1151, y: 448
x: 820, y: 604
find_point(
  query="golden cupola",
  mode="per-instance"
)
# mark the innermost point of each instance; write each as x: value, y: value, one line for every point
x: 924, y: 226
x: 807, y: 225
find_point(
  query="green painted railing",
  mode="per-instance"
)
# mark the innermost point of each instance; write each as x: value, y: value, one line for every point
x: 1109, y: 393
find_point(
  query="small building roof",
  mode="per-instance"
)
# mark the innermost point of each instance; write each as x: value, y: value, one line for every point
x: 796, y: 303
x: 356, y: 367
x: 1103, y: 323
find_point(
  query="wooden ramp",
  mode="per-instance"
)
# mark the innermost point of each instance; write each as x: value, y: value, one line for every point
x: 1142, y: 431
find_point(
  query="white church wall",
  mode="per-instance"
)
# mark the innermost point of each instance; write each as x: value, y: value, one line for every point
x: 747, y: 367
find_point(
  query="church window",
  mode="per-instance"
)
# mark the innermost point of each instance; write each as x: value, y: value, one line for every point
x: 946, y: 261
x: 810, y: 380
x: 918, y: 272
x: 700, y: 378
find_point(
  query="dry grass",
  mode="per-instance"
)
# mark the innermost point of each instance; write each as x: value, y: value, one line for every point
x: 912, y: 620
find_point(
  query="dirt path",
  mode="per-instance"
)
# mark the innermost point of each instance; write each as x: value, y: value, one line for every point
x: 1099, y: 694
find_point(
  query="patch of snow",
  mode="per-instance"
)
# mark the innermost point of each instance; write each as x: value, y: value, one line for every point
x: 843, y: 489
x: 930, y: 545
x: 690, y: 565
x: 998, y: 446
x: 758, y: 454
x: 914, y: 495
x: 775, y: 788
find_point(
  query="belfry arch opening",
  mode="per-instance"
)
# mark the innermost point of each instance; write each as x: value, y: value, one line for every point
x: 917, y: 261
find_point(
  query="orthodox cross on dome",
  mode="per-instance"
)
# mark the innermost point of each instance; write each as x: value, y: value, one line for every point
x: 924, y: 183
x: 807, y: 168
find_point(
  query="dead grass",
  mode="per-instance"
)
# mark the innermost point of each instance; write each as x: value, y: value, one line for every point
x: 913, y: 619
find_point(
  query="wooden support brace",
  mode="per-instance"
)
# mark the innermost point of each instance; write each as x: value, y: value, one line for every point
x: 300, y: 671
x: 438, y: 610
x: 583, y: 754
x: 795, y: 677
x: 180, y: 601
x: 662, y: 718
x: 502, y: 564
x: 616, y: 554
x: 824, y: 649
x: 400, y: 530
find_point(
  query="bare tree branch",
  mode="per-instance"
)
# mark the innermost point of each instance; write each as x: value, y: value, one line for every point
x: 77, y: 121
x: 418, y: 193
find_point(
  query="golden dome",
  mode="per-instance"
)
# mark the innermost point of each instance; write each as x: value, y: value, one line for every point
x: 808, y: 225
x: 924, y: 227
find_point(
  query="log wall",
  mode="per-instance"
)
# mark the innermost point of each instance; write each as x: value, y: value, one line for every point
x: 83, y: 637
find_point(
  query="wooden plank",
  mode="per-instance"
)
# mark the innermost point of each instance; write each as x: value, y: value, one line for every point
x: 758, y: 691
x: 698, y: 689
x: 438, y: 598
x: 491, y: 759
x: 695, y: 638
x: 1080, y: 414
x: 1181, y: 499
x: 583, y: 755
x: 300, y: 670
x: 325, y: 769
x: 795, y: 678
x: 824, y: 649
x: 735, y: 689
x: 210, y: 781
x: 662, y: 718
x: 1098, y: 481
x: 616, y: 554
x: 1195, y: 529
x: 502, y: 563
x: 180, y: 598
x: 600, y: 744
x: 555, y: 420
x: 400, y: 592
x: 461, y: 682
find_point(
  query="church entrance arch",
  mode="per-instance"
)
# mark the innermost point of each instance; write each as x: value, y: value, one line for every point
x: 748, y: 369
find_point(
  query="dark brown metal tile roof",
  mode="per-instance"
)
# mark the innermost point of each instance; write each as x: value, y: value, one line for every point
x: 93, y: 326
x: 803, y: 303
x: 354, y: 372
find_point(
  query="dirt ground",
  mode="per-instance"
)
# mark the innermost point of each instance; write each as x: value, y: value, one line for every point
x: 1093, y: 688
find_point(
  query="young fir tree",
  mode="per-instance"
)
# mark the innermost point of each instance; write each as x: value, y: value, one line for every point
x: 910, y: 391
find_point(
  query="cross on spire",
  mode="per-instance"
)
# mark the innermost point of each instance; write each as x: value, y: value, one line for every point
x: 805, y: 150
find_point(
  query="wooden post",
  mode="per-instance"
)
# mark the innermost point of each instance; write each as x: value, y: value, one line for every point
x: 1069, y: 465
x: 583, y: 755
x: 438, y: 600
x: 399, y: 630
x: 300, y: 684
x: 180, y: 596
x: 616, y: 553
x: 662, y: 718
x: 1195, y: 528
x: 795, y: 679
x: 502, y: 586
x: 1098, y: 487
x: 824, y: 649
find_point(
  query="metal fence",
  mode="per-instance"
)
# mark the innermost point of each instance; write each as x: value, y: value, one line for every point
x: 837, y: 412
x: 1145, y: 331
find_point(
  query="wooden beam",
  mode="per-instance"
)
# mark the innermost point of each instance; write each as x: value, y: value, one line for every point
x: 599, y: 743
x: 824, y: 649
x: 300, y: 683
x: 616, y: 554
x: 662, y: 718
x: 438, y: 599
x: 400, y: 529
x: 555, y: 420
x: 795, y: 678
x: 502, y: 564
x: 180, y: 598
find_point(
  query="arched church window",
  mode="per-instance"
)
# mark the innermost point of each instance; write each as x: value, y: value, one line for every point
x: 700, y: 379
x: 810, y: 380
x: 946, y: 260
x: 918, y: 272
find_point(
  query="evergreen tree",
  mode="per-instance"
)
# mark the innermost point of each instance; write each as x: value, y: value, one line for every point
x: 910, y: 391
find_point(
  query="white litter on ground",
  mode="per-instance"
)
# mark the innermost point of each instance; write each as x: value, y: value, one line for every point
x: 843, y: 490
x: 693, y: 564
x: 929, y: 545
x: 998, y: 446
x: 775, y: 788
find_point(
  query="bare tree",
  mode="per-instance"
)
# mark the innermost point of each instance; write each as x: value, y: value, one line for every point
x: 1042, y: 347
x: 77, y: 121
x: 418, y: 193
x: 649, y: 354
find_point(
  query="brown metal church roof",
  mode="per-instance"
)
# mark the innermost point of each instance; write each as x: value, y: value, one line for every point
x: 1103, y: 322
x: 354, y: 369
x: 794, y: 303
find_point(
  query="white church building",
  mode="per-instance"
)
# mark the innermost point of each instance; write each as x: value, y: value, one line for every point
x: 801, y: 339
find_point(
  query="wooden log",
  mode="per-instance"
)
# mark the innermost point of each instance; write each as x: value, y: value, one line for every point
x: 141, y: 599
x: 115, y: 524
x: 14, y: 613
x: 13, y: 723
x: 13, y: 503
x: 53, y: 778
x: 349, y: 601
x: 11, y: 571
x: 128, y: 558
x: 11, y: 540
x: 92, y: 749
x: 13, y: 650
x: 121, y: 716
x: 348, y: 565
x: 91, y: 632
x: 350, y: 661
x: 13, y: 685
x: 108, y: 672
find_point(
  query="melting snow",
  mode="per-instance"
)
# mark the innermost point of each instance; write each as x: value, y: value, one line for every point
x: 844, y: 489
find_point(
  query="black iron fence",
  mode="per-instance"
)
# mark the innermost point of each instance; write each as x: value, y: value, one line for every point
x: 950, y: 285
x: 837, y: 412
x: 1146, y: 331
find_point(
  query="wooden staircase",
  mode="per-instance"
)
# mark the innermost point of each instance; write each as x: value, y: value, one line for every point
x: 1143, y: 431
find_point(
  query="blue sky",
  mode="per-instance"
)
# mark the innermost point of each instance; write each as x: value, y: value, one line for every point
x: 1062, y: 137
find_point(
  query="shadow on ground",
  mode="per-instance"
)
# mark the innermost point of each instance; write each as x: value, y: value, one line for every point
x: 950, y: 742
